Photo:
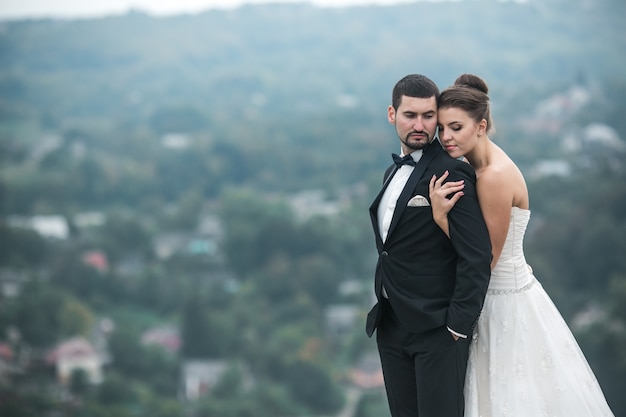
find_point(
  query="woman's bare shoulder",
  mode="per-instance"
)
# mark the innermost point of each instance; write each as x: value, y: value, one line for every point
x: 504, y: 176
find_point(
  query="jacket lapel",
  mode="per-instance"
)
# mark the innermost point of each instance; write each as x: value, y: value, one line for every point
x: 389, y: 173
x: 409, y: 188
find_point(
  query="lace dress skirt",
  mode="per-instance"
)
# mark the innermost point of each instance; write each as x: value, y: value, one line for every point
x: 525, y: 362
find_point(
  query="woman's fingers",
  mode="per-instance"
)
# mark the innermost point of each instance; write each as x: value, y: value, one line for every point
x: 455, y: 197
x: 431, y: 184
x: 441, y: 179
x: 437, y: 186
x: 452, y: 187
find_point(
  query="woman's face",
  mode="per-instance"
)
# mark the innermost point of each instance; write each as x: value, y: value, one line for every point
x: 458, y: 133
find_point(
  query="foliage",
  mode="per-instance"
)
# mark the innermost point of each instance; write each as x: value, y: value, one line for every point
x: 37, y: 314
x: 371, y: 405
x: 603, y: 344
x: 582, y: 243
x: 312, y: 386
x: 21, y: 247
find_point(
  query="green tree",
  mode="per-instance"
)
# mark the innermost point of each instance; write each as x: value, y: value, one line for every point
x: 318, y: 277
x: 312, y: 385
x: 37, y: 314
x: 603, y: 343
x: 125, y: 234
x: 203, y: 334
x: 79, y: 382
x: 115, y: 390
x: 75, y: 318
x: 21, y: 248
x: 249, y: 245
x: 373, y: 404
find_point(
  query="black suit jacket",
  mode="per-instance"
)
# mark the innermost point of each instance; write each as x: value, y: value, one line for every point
x: 432, y: 280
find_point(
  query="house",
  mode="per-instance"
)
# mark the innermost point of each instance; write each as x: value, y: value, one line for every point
x: 131, y: 265
x: 341, y: 320
x: 202, y: 246
x: 311, y: 203
x: 210, y: 225
x: 89, y: 219
x: 170, y: 244
x: 97, y: 260
x: 11, y: 281
x: 351, y: 287
x: 550, y: 168
x: 7, y: 364
x: 52, y: 226
x: 563, y: 104
x: 595, y: 145
x: 48, y: 226
x: 76, y: 354
x: 368, y: 372
x: 175, y: 141
x: 200, y: 376
x: 164, y: 337
x: 593, y: 138
x: 550, y: 114
x: 167, y: 245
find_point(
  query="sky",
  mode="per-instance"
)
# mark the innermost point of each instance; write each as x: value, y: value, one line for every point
x: 17, y: 9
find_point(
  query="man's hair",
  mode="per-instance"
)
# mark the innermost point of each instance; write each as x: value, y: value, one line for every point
x: 413, y: 85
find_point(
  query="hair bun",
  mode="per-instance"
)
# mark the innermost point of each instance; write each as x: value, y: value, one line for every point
x: 472, y: 81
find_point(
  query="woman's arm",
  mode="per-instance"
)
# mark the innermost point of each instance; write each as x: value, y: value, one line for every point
x: 494, y: 196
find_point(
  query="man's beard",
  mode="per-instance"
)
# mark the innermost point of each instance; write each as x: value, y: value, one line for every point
x: 416, y: 145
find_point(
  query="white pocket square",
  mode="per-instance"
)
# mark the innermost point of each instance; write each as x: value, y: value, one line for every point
x: 418, y: 201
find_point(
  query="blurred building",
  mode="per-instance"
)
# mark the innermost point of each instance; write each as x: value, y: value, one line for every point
x: 200, y: 376
x: 368, y: 373
x: 76, y: 354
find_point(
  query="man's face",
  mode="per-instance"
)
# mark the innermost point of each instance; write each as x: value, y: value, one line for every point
x: 415, y: 122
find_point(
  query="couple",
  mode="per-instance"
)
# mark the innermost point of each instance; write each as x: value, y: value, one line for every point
x: 443, y: 258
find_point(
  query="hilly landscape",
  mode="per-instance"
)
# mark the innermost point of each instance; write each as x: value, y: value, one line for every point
x: 186, y: 196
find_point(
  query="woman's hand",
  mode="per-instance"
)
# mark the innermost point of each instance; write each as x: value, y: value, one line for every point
x: 441, y: 205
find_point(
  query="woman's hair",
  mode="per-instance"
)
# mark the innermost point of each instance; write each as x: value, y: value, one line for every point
x: 469, y: 93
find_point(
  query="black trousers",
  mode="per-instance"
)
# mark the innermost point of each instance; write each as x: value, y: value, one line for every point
x: 424, y: 372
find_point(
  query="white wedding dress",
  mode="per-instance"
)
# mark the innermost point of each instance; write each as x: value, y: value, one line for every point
x: 524, y: 360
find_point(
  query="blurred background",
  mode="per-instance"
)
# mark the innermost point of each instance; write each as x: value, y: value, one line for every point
x: 184, y: 193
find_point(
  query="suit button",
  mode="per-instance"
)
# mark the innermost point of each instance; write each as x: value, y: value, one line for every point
x: 384, y: 253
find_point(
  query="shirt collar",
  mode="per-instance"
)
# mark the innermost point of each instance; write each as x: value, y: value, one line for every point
x: 416, y: 155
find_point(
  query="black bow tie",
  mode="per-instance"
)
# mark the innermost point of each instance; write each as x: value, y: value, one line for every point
x: 406, y: 160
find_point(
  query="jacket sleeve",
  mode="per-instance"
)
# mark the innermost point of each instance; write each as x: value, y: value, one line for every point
x: 470, y: 238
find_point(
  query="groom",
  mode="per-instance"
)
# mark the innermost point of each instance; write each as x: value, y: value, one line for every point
x: 430, y: 289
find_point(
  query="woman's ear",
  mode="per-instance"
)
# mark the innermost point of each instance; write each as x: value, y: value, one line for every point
x: 482, y: 127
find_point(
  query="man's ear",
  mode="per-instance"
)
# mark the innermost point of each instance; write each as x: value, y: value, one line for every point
x: 391, y: 115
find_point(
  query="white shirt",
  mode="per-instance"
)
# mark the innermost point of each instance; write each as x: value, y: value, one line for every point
x: 388, y: 201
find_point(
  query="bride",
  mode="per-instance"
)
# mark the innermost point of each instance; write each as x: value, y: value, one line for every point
x: 524, y: 360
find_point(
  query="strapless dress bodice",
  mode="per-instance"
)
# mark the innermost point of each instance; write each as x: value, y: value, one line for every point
x: 512, y: 273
